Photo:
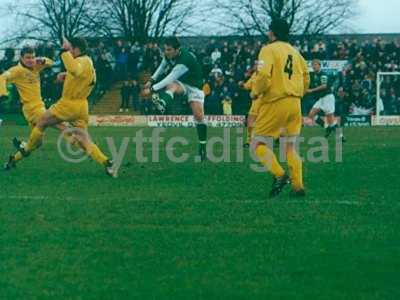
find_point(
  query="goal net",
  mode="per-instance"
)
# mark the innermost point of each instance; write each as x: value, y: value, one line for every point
x: 387, y: 99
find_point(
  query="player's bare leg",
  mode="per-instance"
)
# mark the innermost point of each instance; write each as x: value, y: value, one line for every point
x: 330, y: 118
x: 68, y: 136
x: 163, y: 98
x: 175, y: 89
x: 198, y: 114
x: 37, y: 133
x: 34, y: 142
x: 314, y: 115
x: 333, y: 125
x: 251, y: 120
x: 20, y: 146
x: 80, y: 136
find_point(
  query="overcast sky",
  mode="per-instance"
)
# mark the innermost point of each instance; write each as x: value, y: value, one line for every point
x: 378, y: 16
x: 375, y: 16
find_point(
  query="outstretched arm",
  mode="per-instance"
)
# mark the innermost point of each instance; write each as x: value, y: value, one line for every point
x: 43, y: 63
x: 8, y: 76
x: 175, y: 74
x: 71, y: 64
x: 262, y: 80
x: 160, y: 70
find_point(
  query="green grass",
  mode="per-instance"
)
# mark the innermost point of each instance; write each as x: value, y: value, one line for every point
x: 200, y: 231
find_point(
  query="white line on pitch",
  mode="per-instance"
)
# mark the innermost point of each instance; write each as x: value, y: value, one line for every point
x: 42, y: 198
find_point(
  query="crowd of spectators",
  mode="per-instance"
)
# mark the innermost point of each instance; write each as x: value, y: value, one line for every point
x: 355, y: 86
x: 227, y: 64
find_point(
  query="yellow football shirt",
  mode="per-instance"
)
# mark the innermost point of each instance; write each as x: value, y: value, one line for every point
x: 250, y: 82
x: 27, y: 81
x: 282, y: 72
x: 80, y: 79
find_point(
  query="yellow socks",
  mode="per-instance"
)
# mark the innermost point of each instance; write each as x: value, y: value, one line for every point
x: 96, y: 154
x: 269, y: 160
x: 295, y: 164
x: 296, y: 169
x: 35, y: 140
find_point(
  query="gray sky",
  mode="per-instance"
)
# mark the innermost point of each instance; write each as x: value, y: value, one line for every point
x: 375, y: 16
x: 378, y: 16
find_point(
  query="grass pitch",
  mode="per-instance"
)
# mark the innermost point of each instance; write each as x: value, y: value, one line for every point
x: 200, y: 231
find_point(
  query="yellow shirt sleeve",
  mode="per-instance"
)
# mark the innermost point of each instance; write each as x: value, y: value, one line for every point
x: 262, y: 81
x: 249, y: 83
x: 7, y: 77
x: 71, y: 64
x: 48, y: 63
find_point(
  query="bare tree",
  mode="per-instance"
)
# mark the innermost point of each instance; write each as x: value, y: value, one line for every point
x: 307, y: 17
x: 143, y: 19
x: 52, y: 19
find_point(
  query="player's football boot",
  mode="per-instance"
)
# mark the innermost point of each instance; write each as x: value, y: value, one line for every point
x: 110, y: 169
x: 246, y: 145
x: 11, y: 164
x: 330, y: 130
x: 278, y: 185
x: 20, y: 146
x: 159, y: 104
x: 203, y: 152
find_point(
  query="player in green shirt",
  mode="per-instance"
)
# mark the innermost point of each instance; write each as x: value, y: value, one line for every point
x: 321, y: 90
x: 182, y: 75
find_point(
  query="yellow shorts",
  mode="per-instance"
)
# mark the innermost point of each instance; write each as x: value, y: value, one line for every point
x: 75, y: 112
x: 255, y: 107
x: 33, y: 113
x: 279, y: 118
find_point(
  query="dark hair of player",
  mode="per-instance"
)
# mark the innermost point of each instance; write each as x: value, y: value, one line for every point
x: 27, y: 50
x: 281, y: 29
x: 173, y: 42
x: 79, y: 43
x: 316, y: 61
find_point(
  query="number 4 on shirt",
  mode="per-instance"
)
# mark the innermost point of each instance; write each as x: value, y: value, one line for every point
x: 289, y: 66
